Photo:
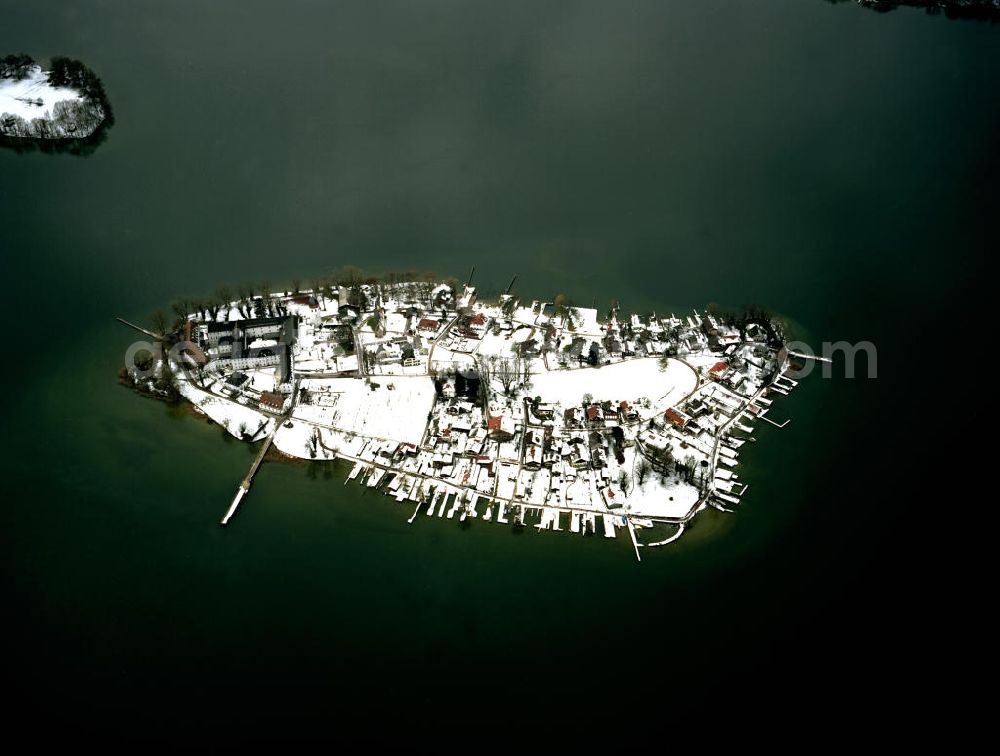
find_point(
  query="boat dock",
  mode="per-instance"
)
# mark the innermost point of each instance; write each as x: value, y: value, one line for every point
x: 635, y: 541
x: 804, y: 356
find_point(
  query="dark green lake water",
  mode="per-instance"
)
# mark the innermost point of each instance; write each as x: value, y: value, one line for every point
x: 835, y: 164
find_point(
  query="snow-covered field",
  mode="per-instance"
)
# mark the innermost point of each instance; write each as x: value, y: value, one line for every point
x: 399, y: 413
x: 444, y: 359
x: 495, y: 344
x: 627, y: 380
x: 261, y: 379
x: 229, y: 414
x: 18, y: 98
x: 653, y: 499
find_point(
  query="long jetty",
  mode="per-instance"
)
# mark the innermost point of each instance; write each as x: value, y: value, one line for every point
x: 802, y: 355
x: 140, y: 329
x: 245, y: 485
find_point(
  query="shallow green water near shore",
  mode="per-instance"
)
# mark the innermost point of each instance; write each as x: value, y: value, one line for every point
x: 831, y: 163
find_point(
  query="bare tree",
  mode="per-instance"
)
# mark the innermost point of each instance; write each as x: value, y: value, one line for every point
x: 159, y: 321
x: 267, y: 303
x: 319, y: 289
x: 214, y: 305
x: 485, y: 375
x: 225, y: 295
x: 246, y: 294
x: 642, y: 470
x: 349, y: 276
x: 624, y: 479
x: 690, y: 466
x: 507, y: 371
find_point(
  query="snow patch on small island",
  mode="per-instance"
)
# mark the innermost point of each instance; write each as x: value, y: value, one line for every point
x: 33, y: 97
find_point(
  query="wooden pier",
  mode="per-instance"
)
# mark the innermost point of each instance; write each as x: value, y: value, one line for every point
x: 140, y: 329
x: 245, y: 485
x: 635, y: 540
x: 803, y: 356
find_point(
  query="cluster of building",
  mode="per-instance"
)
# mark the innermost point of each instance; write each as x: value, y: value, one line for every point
x: 524, y: 410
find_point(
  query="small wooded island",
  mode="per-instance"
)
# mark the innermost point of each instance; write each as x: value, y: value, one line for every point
x: 977, y: 10
x: 64, y: 102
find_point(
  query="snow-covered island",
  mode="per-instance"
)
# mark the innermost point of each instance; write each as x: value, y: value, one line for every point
x: 67, y: 101
x: 534, y: 413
